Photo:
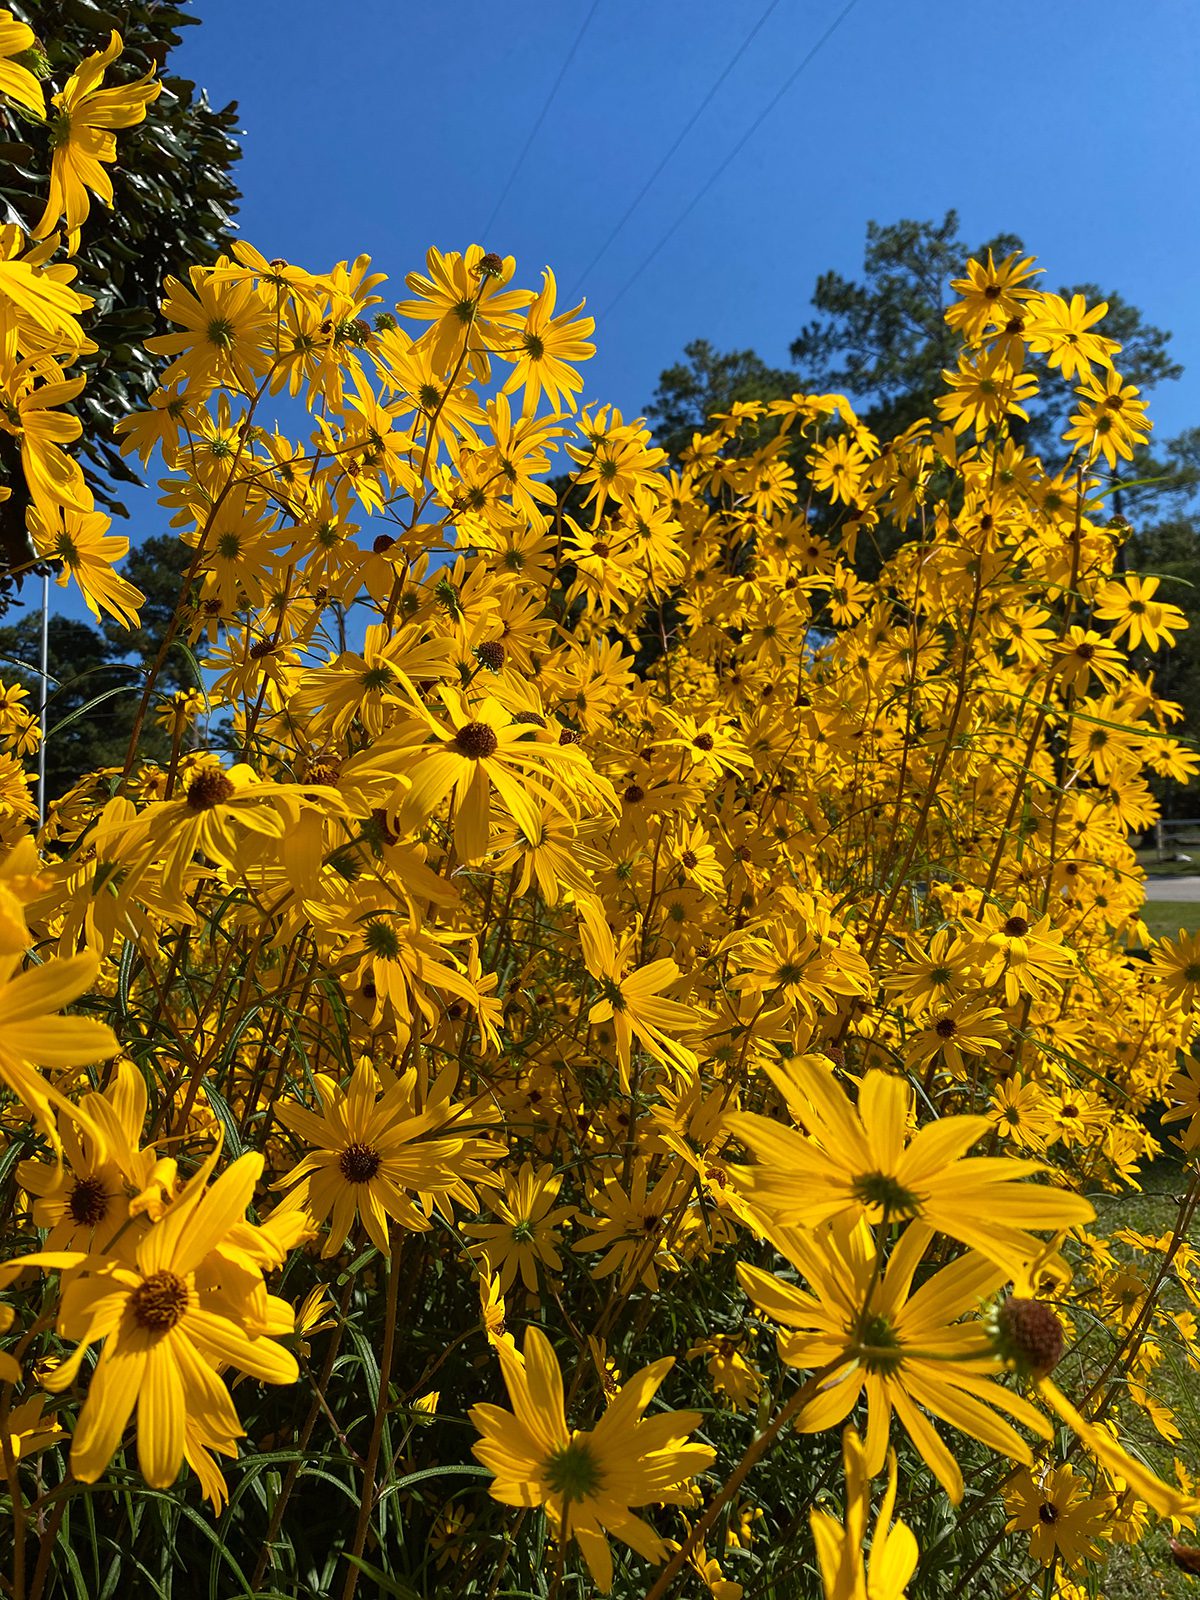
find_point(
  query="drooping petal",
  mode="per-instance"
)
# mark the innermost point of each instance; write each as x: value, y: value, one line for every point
x: 160, y: 1423
x: 112, y: 1395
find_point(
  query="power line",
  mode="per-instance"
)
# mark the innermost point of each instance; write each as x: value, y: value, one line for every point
x: 691, y: 123
x: 732, y: 156
x: 541, y: 117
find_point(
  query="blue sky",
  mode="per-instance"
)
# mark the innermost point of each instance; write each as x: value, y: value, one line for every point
x: 384, y: 127
x: 1073, y: 125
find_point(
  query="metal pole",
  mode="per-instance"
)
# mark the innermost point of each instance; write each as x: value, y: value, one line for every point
x: 45, y: 668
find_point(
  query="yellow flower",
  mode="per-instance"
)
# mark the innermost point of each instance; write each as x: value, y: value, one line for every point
x: 1184, y: 1087
x: 80, y: 541
x: 629, y: 1227
x: 1111, y: 420
x: 863, y: 1161
x: 963, y: 1028
x: 39, y: 298
x: 1030, y: 957
x: 545, y: 345
x: 314, y: 1315
x: 27, y: 411
x: 984, y: 391
x: 226, y: 325
x: 474, y: 748
x: 21, y: 881
x: 526, y: 1235
x: 10, y: 1367
x: 837, y: 469
x: 730, y: 1371
x: 31, y: 1429
x: 85, y: 1201
x: 934, y: 973
x: 32, y: 1032
x: 226, y: 814
x: 633, y: 1000
x: 991, y: 294
x: 1083, y: 654
x: 465, y: 298
x: 165, y: 1322
x: 901, y: 1350
x: 1063, y: 1518
x: 1061, y: 331
x: 551, y: 857
x: 373, y: 1151
x: 81, y: 137
x: 491, y: 1311
x: 1129, y: 603
x: 1019, y: 1112
x: 16, y: 81
x: 587, y: 1481
x: 840, y: 1550
x: 369, y: 683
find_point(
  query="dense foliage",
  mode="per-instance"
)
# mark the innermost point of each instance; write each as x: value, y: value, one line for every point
x: 172, y: 202
x: 539, y: 1124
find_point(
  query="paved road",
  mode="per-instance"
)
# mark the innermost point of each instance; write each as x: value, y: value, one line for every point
x: 1182, y: 888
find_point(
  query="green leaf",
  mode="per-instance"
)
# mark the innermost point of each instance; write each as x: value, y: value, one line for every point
x: 220, y: 1106
x: 83, y: 710
x: 389, y: 1586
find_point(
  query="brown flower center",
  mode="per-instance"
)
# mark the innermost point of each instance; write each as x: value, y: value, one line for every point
x: 210, y: 787
x: 1030, y: 1334
x: 160, y: 1301
x: 359, y: 1163
x: 476, y: 741
x: 88, y: 1202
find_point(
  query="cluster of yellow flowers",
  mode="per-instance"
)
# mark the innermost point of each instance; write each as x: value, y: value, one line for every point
x: 605, y: 891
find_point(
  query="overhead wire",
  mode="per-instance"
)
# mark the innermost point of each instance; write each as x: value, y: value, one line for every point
x: 733, y: 154
x: 541, y: 117
x: 680, y: 137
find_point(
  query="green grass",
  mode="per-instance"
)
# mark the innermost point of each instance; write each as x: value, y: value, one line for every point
x: 1150, y: 864
x: 1164, y: 918
x: 1147, y: 1572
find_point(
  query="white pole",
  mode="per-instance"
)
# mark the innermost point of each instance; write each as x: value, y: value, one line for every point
x: 45, y: 696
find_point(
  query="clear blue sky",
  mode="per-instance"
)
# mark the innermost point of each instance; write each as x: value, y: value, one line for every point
x: 386, y: 126
x: 383, y: 126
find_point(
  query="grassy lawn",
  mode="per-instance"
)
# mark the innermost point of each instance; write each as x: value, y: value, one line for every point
x: 1147, y: 1573
x: 1164, y: 918
x: 1149, y: 862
